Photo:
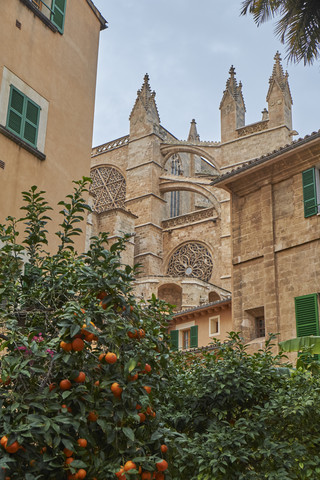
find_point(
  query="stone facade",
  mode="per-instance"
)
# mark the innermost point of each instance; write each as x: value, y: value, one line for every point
x: 179, y: 221
x: 51, y: 63
x: 275, y: 248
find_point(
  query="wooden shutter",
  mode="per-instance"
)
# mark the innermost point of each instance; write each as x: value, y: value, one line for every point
x: 174, y: 334
x: 194, y: 336
x: 31, y: 122
x: 309, y: 192
x: 15, y: 111
x: 58, y: 13
x: 307, y: 316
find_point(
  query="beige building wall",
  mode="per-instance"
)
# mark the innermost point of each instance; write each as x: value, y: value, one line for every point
x: 60, y: 71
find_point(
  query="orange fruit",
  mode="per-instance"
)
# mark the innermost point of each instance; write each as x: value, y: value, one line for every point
x: 43, y: 450
x: 67, y: 347
x: 13, y: 448
x: 111, y: 357
x: 32, y: 463
x: 101, y: 356
x: 81, y: 474
x: 147, y: 389
x: 67, y: 452
x: 147, y: 368
x: 97, y: 383
x: 82, y: 442
x: 142, y: 417
x: 134, y: 377
x: 52, y: 386
x: 77, y: 344
x: 120, y: 474
x: 142, y: 333
x: 101, y: 295
x: 3, y: 441
x: 103, y: 305
x: 92, y: 417
x: 69, y: 460
x: 159, y: 476
x: 80, y: 378
x: 129, y: 466
x: 134, y: 334
x: 116, y: 389
x: 65, y: 384
x: 138, y: 407
x: 162, y: 466
x: 164, y: 448
x: 146, y: 476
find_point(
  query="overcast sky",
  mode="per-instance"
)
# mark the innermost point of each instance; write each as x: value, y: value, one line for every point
x: 187, y: 48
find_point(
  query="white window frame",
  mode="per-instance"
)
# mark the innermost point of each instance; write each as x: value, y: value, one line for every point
x: 8, y: 79
x: 182, y: 327
x: 216, y: 318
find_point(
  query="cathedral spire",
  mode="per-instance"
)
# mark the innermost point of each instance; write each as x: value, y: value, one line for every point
x: 279, y: 96
x: 146, y: 98
x: 232, y: 107
x: 193, y: 133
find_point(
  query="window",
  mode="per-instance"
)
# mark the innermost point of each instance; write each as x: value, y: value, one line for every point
x: 260, y: 327
x: 311, y: 191
x: 184, y: 338
x: 54, y: 10
x: 307, y: 315
x: 23, y: 116
x: 214, y: 326
x: 175, y: 195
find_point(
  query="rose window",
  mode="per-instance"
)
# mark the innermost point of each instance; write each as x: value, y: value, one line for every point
x: 191, y: 260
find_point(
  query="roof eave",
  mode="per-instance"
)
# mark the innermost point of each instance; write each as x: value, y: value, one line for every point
x: 102, y: 20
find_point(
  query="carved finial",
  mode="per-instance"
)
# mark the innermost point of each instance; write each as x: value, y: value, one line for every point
x: 193, y: 134
x: 146, y: 97
x: 265, y: 114
x: 279, y: 76
x: 232, y: 71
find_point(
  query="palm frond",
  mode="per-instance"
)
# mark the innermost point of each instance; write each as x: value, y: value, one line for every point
x: 262, y: 10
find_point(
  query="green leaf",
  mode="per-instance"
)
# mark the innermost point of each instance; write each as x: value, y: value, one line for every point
x: 129, y: 433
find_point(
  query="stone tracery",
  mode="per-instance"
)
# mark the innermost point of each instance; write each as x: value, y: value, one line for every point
x: 108, y: 187
x: 191, y: 260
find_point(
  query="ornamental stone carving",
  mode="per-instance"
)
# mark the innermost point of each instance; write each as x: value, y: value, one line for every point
x: 108, y: 188
x: 191, y: 260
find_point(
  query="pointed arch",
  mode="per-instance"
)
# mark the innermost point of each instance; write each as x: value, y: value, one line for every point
x: 168, y: 150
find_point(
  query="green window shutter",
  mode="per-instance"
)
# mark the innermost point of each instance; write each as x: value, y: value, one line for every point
x: 58, y: 13
x: 23, y: 116
x: 31, y: 122
x: 174, y: 334
x: 15, y: 111
x: 307, y: 316
x: 309, y: 192
x: 194, y: 336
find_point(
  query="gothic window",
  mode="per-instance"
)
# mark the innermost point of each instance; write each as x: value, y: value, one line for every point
x: 191, y: 260
x: 175, y: 196
x: 108, y: 188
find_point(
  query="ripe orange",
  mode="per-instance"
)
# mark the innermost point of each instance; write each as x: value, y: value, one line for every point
x: 103, y: 305
x: 134, y: 377
x: 138, y: 407
x: 101, y: 295
x: 43, y: 450
x: 68, y: 408
x: 81, y: 474
x: 3, y: 441
x: 13, y: 448
x: 159, y: 476
x: 111, y: 357
x: 67, y: 452
x: 134, y: 334
x: 129, y: 466
x: 101, y: 356
x: 97, y: 383
x: 131, y: 308
x: 32, y: 463
x: 69, y: 460
x: 82, y: 442
x: 93, y: 416
x: 164, y: 448
x: 147, y: 389
x: 80, y: 378
x: 52, y: 386
x: 142, y: 417
x: 65, y: 384
x: 142, y: 333
x: 146, y: 476
x: 120, y: 474
x: 77, y: 344
x: 67, y: 347
x: 116, y: 389
x: 147, y: 368
x: 162, y: 466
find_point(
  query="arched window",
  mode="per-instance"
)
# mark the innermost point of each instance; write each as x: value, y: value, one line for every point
x: 108, y: 187
x: 191, y: 260
x: 175, y: 196
x: 213, y: 297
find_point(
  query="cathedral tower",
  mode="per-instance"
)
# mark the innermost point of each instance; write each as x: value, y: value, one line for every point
x: 232, y: 108
x: 279, y: 97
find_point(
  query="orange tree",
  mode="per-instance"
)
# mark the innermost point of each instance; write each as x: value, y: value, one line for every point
x: 82, y: 362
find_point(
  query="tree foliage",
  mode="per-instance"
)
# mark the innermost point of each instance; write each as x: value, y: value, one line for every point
x: 241, y: 416
x: 60, y: 315
x: 298, y: 27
